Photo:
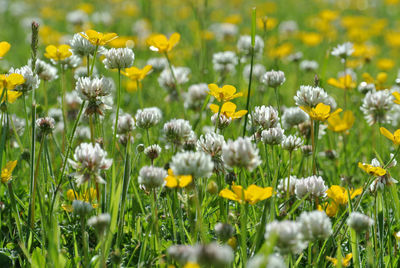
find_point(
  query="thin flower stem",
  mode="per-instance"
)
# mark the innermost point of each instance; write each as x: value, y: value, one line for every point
x: 32, y: 200
x: 178, y: 87
x: 248, y: 92
x: 94, y: 60
x: 217, y: 122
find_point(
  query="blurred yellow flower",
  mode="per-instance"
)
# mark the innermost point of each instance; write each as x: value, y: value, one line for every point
x: 233, y: 19
x: 385, y: 64
x: 228, y: 109
x: 4, y: 48
x: 6, y: 172
x: 191, y: 265
x: 365, y: 51
x: 225, y: 93
x: 371, y: 170
x: 379, y: 82
x: 397, y: 97
x: 252, y: 194
x: 123, y: 41
x: 161, y: 43
x: 267, y: 23
x: 281, y: 51
x: 173, y: 181
x: 311, y: 39
x: 89, y: 196
x: 58, y: 53
x: 338, y: 124
x: 137, y: 74
x: 345, y: 261
x: 97, y: 38
x: 321, y: 112
x: 395, y: 137
x: 344, y: 82
x: 339, y: 197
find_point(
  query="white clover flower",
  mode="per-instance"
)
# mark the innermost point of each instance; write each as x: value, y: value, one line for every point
x: 182, y: 253
x: 197, y: 164
x: 225, y: 62
x: 32, y: 80
x: 310, y: 96
x: 365, y: 87
x: 314, y: 186
x: 359, y: 222
x: 288, y: 27
x: 177, y: 130
x: 241, y: 153
x: 214, y: 255
x: 77, y: 17
x: 81, y: 71
x: 72, y: 99
x: 315, y: 225
x: 291, y: 143
x: 152, y: 151
x: 244, y: 45
x: 158, y: 64
x: 376, y: 107
x: 195, y: 96
x: 126, y: 123
x: 91, y: 89
x: 258, y: 71
x: 308, y: 65
x: 293, y: 116
x: 166, y: 80
x: 283, y: 186
x: 81, y: 46
x: 272, y: 136
x: 152, y: 177
x: 118, y: 58
x: 70, y: 62
x: 211, y: 143
x: 100, y: 223
x: 224, y: 231
x: 45, y: 124
x: 343, y: 50
x: 271, y: 261
x: 289, y: 237
x: 103, y: 17
x: 274, y: 78
x: 295, y: 57
x: 82, y: 132
x: 44, y: 70
x: 224, y: 31
x: 148, y: 117
x: 89, y: 161
x: 265, y: 117
x: 223, y: 122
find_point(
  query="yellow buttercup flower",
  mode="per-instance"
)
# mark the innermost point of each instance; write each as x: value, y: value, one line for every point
x: 225, y: 93
x: 345, y: 261
x: 137, y: 74
x: 321, y: 112
x: 58, y: 53
x: 97, y: 38
x: 10, y: 81
x: 191, y: 265
x: 173, y: 181
x: 311, y: 39
x: 395, y: 137
x: 6, y: 172
x: 123, y: 41
x: 338, y: 124
x: 339, y: 197
x: 4, y: 48
x: 88, y: 196
x: 252, y: 194
x: 161, y: 43
x: 344, y: 82
x: 228, y: 109
x: 7, y: 83
x: 371, y: 170
x: 397, y: 97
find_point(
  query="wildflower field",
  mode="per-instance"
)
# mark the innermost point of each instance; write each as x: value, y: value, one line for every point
x: 199, y: 133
